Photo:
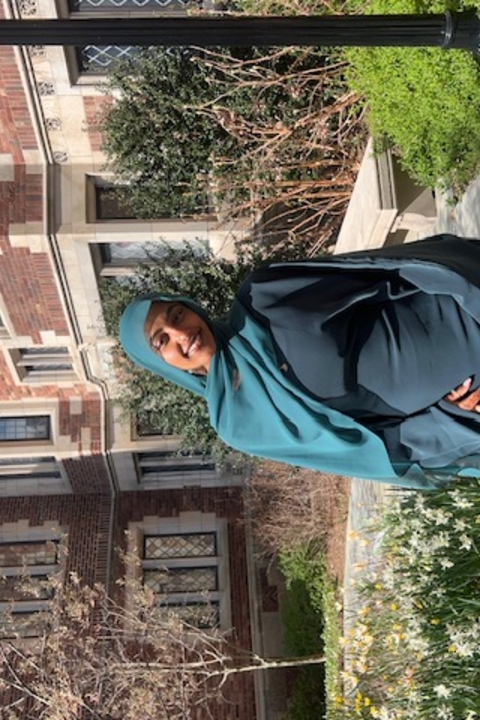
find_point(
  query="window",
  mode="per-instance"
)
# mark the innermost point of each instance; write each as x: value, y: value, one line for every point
x: 158, y: 466
x: 3, y: 329
x: 117, y: 259
x: 182, y: 570
x: 22, y: 476
x: 43, y: 364
x: 107, y: 201
x: 99, y: 59
x: 25, y: 569
x: 32, y: 427
x: 27, y: 467
x: 146, y: 426
x: 184, y: 562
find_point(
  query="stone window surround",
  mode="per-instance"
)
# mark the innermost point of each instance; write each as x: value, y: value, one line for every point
x: 15, y: 361
x: 18, y: 448
x: 22, y: 531
x: 31, y: 484
x: 61, y: 446
x: 188, y: 523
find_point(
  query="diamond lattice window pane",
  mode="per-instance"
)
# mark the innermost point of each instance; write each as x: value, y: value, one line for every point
x: 99, y: 58
x: 28, y: 554
x: 164, y: 547
x: 16, y: 588
x: 200, y: 615
x: 113, y: 5
x: 20, y: 624
x: 181, y: 580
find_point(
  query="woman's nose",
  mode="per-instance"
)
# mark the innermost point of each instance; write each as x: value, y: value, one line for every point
x: 177, y: 334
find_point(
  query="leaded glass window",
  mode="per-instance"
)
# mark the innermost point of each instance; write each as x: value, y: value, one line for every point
x: 25, y: 589
x: 181, y: 580
x: 182, y: 570
x: 28, y: 554
x: 101, y: 58
x: 156, y: 466
x: 104, y: 6
x: 161, y: 547
x: 15, y: 588
x: 29, y: 468
x: 199, y: 615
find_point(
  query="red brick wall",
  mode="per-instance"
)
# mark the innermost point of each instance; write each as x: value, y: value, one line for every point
x: 27, y: 280
x: 226, y: 503
x: 87, y: 474
x: 86, y: 520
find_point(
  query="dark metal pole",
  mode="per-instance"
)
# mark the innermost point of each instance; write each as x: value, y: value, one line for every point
x: 449, y: 30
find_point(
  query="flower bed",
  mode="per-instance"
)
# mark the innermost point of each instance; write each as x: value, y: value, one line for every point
x: 414, y: 648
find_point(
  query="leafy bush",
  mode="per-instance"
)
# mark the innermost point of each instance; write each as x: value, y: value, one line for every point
x: 304, y: 571
x: 424, y: 102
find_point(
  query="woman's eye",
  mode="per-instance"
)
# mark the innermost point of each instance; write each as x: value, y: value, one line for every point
x: 158, y: 341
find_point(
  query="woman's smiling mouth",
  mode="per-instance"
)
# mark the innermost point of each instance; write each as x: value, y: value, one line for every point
x: 195, y: 344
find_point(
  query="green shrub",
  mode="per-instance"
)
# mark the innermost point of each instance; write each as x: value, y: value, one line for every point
x: 310, y: 622
x: 424, y: 102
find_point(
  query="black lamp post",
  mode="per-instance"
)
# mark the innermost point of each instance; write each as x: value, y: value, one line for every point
x: 449, y: 31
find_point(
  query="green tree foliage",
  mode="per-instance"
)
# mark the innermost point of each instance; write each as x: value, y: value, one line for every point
x: 154, y: 135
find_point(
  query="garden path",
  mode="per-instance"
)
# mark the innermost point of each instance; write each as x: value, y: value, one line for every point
x: 366, y: 497
x: 464, y: 217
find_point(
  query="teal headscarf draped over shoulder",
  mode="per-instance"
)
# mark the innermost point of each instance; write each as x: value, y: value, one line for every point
x: 253, y: 406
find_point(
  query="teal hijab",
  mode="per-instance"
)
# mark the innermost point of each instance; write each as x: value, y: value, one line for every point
x: 253, y: 406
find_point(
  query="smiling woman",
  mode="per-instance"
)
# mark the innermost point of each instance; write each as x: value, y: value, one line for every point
x: 180, y: 336
x: 347, y: 365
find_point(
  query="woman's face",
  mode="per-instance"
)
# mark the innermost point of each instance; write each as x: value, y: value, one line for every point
x: 180, y: 336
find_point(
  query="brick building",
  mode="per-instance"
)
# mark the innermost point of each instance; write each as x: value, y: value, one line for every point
x: 69, y: 465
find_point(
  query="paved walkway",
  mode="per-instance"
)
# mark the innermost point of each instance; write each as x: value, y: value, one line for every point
x: 461, y: 219
x: 365, y: 498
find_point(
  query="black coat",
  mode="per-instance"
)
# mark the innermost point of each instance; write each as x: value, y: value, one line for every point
x: 383, y: 336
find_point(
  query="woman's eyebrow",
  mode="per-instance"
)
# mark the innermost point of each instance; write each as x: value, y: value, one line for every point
x: 168, y: 313
x: 170, y: 309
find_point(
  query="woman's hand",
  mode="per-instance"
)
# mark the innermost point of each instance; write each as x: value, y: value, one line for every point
x: 463, y: 398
